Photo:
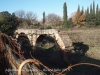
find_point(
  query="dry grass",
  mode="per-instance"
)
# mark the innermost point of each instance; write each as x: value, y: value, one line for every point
x: 91, y: 37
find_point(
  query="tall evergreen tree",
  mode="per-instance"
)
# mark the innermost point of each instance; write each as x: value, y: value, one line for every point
x: 92, y: 16
x: 43, y: 17
x: 78, y: 10
x: 87, y: 11
x: 65, y: 23
x: 97, y: 11
x: 93, y: 8
x: 99, y: 17
x: 82, y: 10
x: 87, y: 16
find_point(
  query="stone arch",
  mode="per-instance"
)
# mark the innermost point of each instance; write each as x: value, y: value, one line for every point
x: 43, y: 39
x: 55, y: 36
x: 62, y: 40
x: 22, y: 37
x: 33, y: 34
x: 17, y: 34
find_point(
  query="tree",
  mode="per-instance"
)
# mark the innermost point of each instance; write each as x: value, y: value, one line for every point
x: 93, y: 8
x: 87, y: 13
x: 15, y: 21
x: 92, y: 18
x: 79, y: 19
x: 70, y: 22
x: 87, y: 16
x: 20, y: 14
x: 82, y: 10
x: 43, y: 17
x: 53, y: 19
x: 8, y: 22
x: 78, y: 10
x: 98, y: 20
x: 30, y: 17
x: 65, y: 23
x: 97, y: 15
x: 97, y: 12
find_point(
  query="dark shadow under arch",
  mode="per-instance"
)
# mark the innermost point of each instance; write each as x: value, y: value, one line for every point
x: 45, y: 40
x: 25, y: 45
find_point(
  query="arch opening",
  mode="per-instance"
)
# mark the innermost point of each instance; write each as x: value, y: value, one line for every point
x: 24, y: 44
x: 23, y: 39
x: 46, y: 42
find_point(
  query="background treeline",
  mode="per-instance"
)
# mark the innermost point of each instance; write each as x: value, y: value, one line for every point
x: 82, y: 18
x: 9, y: 22
x: 89, y: 17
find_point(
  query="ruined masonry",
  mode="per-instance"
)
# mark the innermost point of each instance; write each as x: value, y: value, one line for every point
x: 62, y: 39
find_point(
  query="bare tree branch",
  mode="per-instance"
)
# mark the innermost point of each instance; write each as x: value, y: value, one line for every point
x: 53, y: 19
x: 20, y: 14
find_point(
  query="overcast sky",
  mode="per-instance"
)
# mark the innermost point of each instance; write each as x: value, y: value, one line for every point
x: 49, y: 6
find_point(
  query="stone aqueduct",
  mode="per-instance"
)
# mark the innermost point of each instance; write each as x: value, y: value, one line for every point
x: 62, y: 39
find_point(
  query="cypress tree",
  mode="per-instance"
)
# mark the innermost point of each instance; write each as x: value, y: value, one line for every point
x: 93, y: 8
x: 97, y: 11
x: 78, y: 10
x: 87, y: 16
x: 82, y: 10
x: 92, y: 15
x: 43, y: 17
x: 65, y: 23
x: 87, y: 10
x: 97, y: 15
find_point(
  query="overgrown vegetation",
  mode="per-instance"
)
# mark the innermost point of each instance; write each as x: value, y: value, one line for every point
x: 8, y: 22
x: 88, y: 17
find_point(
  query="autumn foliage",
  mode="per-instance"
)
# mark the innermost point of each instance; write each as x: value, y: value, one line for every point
x: 79, y: 19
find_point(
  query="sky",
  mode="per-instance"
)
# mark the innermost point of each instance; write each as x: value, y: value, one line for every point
x: 47, y: 6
